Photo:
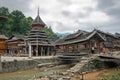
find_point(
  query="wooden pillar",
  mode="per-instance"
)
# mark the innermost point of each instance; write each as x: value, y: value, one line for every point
x: 0, y: 64
x: 68, y: 48
x: 77, y: 48
x: 65, y: 48
x: 48, y: 50
x: 30, y: 50
x: 25, y: 50
x: 99, y: 47
x: 62, y: 48
x: 41, y: 51
x: 89, y: 48
x: 37, y: 50
x: 73, y: 48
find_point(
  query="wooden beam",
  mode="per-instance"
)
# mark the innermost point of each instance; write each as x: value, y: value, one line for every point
x: 30, y: 48
x: 40, y: 51
x: 48, y: 50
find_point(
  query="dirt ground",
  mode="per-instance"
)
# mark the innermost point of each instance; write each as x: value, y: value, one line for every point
x: 94, y: 75
x: 25, y: 75
x: 29, y: 74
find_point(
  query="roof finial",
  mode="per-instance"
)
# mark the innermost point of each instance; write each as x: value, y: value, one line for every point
x: 38, y: 10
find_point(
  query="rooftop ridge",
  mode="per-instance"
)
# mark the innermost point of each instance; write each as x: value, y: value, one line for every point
x: 38, y: 11
x: 37, y: 22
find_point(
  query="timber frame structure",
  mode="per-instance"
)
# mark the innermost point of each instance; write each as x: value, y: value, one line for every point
x: 38, y: 42
x: 3, y: 44
x: 82, y: 42
x: 117, y: 42
x: 14, y: 45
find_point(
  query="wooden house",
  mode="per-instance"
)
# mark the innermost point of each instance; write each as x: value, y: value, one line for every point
x: 117, y: 42
x: 83, y: 41
x: 3, y: 17
x: 3, y: 44
x: 14, y: 42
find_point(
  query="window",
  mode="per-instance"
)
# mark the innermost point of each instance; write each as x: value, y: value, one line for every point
x: 109, y: 39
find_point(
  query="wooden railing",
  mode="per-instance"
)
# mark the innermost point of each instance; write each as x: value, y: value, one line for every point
x: 3, y: 47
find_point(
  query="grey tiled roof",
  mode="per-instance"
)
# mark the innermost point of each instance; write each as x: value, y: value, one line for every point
x: 2, y: 17
x: 78, y: 33
x: 38, y: 20
x: 3, y: 37
x: 82, y: 36
x: 117, y: 35
x: 16, y: 37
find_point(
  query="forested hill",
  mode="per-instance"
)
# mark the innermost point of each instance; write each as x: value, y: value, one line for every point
x: 18, y: 23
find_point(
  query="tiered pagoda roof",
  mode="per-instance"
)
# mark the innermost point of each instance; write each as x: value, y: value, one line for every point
x: 37, y: 33
x: 38, y: 21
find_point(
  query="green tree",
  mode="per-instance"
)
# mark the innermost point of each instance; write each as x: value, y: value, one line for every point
x: 17, y: 17
x: 26, y: 25
x: 3, y: 24
x: 4, y: 11
x: 50, y: 32
x: 17, y: 23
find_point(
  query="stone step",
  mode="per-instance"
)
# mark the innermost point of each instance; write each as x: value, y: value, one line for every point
x: 76, y: 68
x: 80, y: 65
x: 84, y: 61
x: 84, y: 58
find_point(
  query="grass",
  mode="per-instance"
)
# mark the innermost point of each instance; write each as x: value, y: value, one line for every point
x: 28, y: 74
x: 20, y: 75
x: 114, y: 74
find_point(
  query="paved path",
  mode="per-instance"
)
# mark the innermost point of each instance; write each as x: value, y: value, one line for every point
x: 7, y: 58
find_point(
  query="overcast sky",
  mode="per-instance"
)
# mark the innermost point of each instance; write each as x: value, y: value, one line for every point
x: 71, y: 15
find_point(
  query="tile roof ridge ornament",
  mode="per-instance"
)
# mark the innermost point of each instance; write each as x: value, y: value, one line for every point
x: 37, y: 22
x: 38, y: 11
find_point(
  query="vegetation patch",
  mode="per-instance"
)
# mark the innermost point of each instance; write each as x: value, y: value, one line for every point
x: 110, y: 75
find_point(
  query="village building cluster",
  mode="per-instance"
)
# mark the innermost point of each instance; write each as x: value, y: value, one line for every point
x: 84, y: 42
x: 36, y: 43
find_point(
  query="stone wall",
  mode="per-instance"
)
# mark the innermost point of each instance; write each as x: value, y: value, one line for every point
x: 93, y: 65
x: 15, y: 65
